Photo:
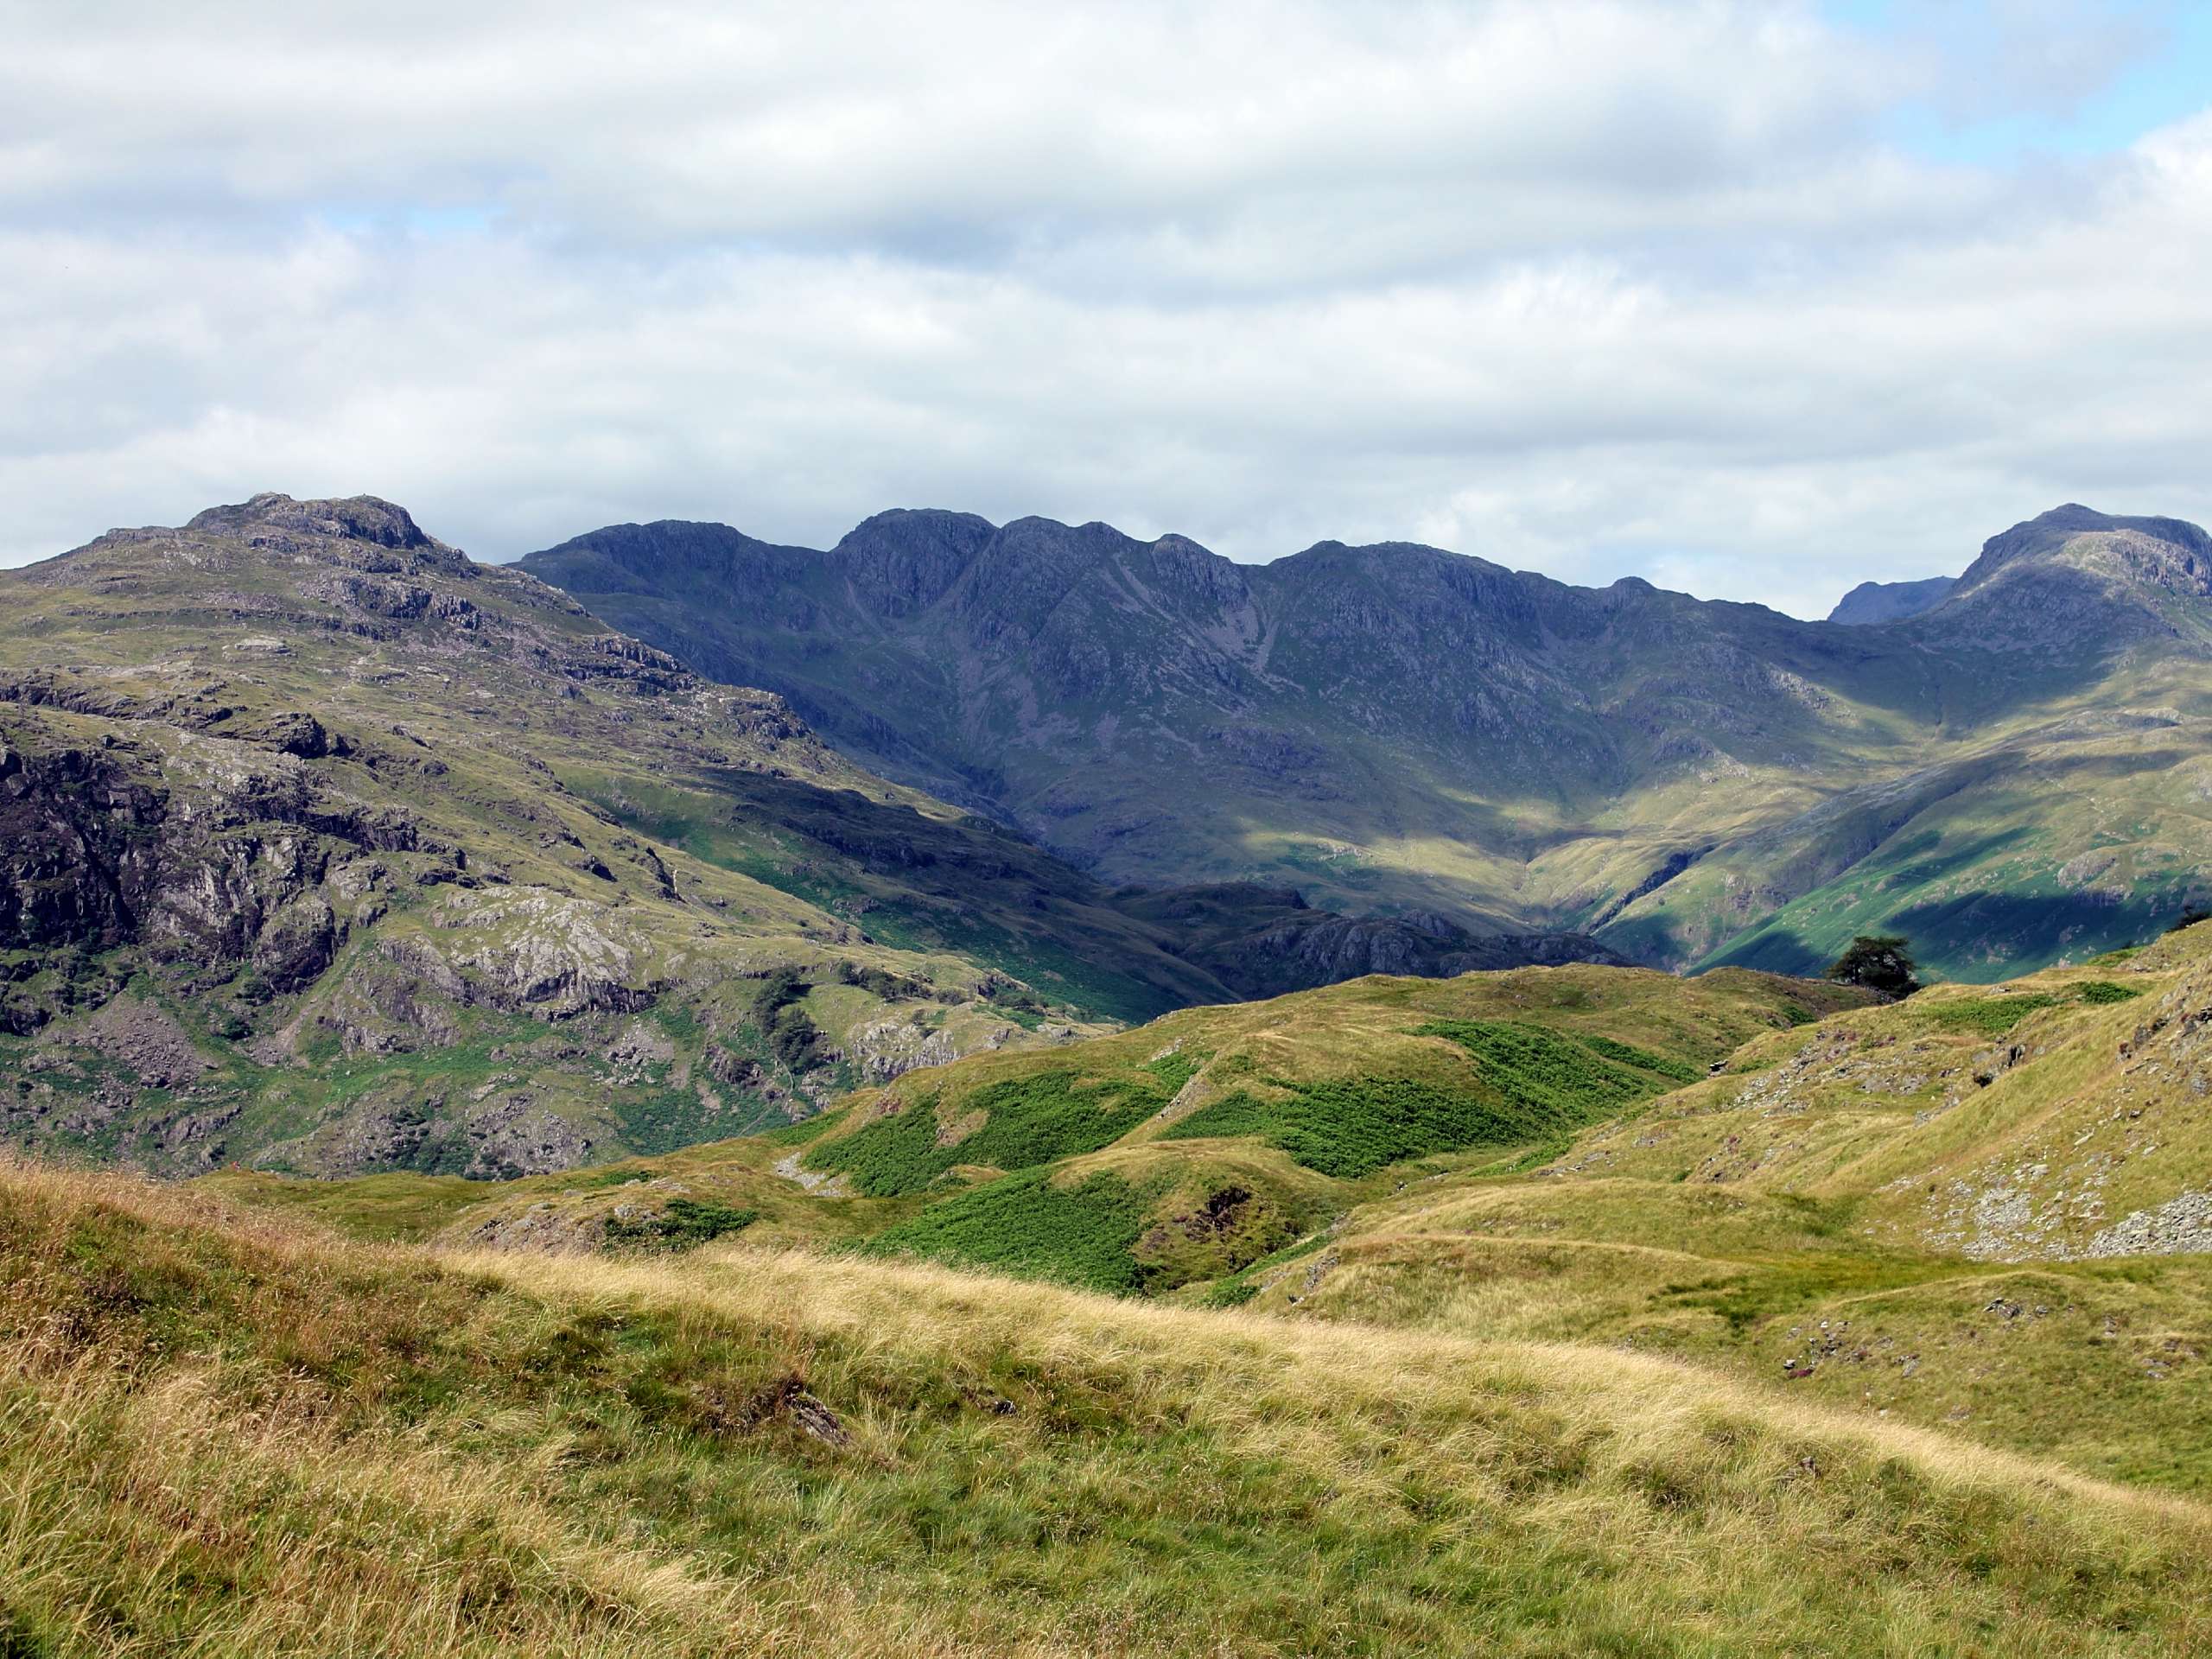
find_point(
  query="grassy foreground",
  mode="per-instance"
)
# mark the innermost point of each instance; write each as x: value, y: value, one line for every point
x: 223, y: 1434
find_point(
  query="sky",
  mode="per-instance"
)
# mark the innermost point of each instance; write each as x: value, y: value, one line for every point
x: 1755, y: 301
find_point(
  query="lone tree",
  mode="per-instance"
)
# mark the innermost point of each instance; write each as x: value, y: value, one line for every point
x: 1880, y: 962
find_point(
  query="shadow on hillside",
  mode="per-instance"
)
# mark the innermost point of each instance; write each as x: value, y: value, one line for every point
x: 1903, y: 863
x: 1979, y: 937
x: 1774, y: 950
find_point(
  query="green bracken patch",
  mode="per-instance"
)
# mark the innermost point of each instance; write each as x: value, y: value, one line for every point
x: 1989, y: 1016
x: 1644, y: 1060
x: 1081, y: 1234
x: 1027, y: 1122
x: 1348, y: 1129
x: 685, y: 1224
x: 1545, y: 1073
x: 1533, y: 1084
x: 2102, y: 993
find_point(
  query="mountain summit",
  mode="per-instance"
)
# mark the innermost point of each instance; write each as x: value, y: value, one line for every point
x: 1891, y: 601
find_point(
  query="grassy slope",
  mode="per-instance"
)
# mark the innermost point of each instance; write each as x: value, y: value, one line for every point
x: 1905, y: 1209
x: 1849, y: 1211
x: 1184, y: 1150
x: 231, y: 1436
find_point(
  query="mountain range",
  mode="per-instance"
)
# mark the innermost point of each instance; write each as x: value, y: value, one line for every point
x: 2010, y: 767
x: 328, y: 849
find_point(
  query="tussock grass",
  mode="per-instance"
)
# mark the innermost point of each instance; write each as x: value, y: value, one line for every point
x: 226, y: 1436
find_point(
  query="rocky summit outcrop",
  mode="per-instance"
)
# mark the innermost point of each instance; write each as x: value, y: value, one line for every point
x: 1396, y: 730
x: 2075, y: 582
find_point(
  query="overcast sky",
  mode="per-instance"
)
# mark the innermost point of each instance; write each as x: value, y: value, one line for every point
x: 1755, y: 301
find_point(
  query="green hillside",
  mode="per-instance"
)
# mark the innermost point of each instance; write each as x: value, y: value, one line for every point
x: 1546, y: 1311
x: 1708, y: 1168
x: 1181, y: 1151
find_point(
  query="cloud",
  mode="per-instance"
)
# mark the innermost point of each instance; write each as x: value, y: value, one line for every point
x: 1596, y: 289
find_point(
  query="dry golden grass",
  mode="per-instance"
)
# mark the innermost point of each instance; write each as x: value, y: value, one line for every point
x: 222, y: 1435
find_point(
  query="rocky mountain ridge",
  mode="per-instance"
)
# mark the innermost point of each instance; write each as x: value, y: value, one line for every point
x: 1396, y: 729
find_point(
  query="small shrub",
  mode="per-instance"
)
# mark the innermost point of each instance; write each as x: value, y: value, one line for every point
x: 876, y: 982
x: 794, y: 1039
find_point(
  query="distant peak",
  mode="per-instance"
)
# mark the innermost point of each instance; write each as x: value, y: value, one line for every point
x: 933, y: 521
x: 2048, y: 531
x: 353, y: 518
x: 2072, y: 515
x: 1871, y: 602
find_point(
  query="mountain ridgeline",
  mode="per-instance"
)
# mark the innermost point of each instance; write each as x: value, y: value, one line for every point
x: 327, y: 849
x: 2010, y: 766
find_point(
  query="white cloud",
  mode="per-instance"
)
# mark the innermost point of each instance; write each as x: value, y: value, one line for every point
x: 1596, y: 289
